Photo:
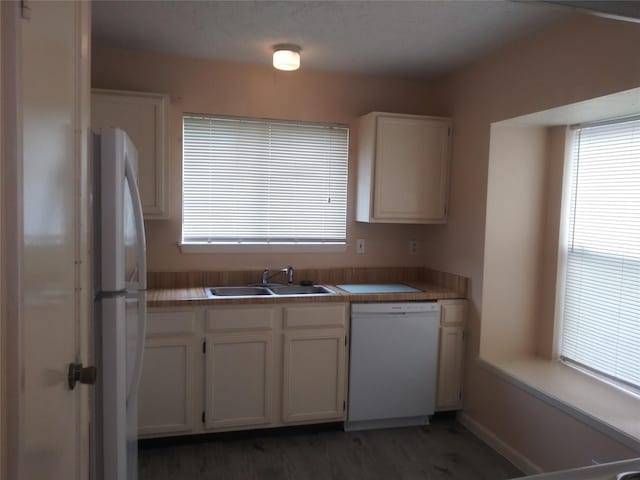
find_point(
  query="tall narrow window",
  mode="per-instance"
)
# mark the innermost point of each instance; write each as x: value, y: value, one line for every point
x: 258, y: 181
x: 601, y: 319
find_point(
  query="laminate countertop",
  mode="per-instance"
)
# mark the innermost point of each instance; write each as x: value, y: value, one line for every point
x: 182, y: 297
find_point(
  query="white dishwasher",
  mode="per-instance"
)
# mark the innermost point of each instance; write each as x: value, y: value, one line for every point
x: 393, y: 364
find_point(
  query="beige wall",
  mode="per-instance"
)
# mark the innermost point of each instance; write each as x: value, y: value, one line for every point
x: 226, y: 88
x: 580, y: 58
x: 557, y: 138
x: 544, y: 435
x: 514, y: 223
x: 524, y: 200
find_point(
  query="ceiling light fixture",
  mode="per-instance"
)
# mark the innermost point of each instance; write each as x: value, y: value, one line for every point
x: 286, y: 57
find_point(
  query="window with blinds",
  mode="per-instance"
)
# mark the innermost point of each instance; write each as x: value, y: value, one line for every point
x: 258, y: 181
x: 601, y: 318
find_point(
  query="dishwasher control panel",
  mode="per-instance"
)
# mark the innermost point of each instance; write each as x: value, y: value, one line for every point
x: 394, y: 307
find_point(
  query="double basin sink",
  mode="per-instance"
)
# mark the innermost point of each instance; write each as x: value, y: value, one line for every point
x: 275, y: 290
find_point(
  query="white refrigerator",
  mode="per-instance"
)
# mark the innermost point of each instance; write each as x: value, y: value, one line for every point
x: 120, y: 304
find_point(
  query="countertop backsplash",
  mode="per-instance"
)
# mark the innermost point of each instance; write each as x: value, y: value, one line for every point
x: 330, y: 276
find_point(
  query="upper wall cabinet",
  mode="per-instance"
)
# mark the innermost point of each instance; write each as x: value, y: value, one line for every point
x: 403, y: 168
x: 144, y: 116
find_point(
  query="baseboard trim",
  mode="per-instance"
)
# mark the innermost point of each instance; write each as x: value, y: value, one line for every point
x: 488, y: 437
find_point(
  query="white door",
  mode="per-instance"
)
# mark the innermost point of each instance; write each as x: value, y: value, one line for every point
x: 135, y: 314
x: 122, y: 237
x: 411, y: 168
x: 122, y: 265
x: 450, y: 367
x: 238, y: 382
x: 166, y: 387
x: 313, y: 380
x: 144, y: 117
x: 50, y: 315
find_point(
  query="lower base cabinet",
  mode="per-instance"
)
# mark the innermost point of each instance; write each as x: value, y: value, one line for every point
x: 315, y: 367
x: 243, y: 367
x: 236, y: 367
x: 238, y: 380
x: 166, y: 393
x: 451, y: 354
x: 314, y: 376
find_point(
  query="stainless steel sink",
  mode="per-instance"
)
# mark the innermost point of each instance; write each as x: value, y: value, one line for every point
x: 237, y: 291
x: 302, y: 290
x: 280, y: 290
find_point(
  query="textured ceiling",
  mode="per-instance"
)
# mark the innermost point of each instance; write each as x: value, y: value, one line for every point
x: 413, y: 39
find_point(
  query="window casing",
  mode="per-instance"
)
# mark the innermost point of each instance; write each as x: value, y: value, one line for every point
x: 601, y: 298
x: 256, y: 181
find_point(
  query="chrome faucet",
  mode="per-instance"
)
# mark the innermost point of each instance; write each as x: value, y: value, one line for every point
x: 266, y: 277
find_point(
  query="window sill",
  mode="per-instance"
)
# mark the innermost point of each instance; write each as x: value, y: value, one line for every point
x: 262, y: 248
x: 604, y: 407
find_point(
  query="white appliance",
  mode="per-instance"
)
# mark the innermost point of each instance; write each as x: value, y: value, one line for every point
x: 120, y: 304
x: 393, y: 364
x: 623, y: 470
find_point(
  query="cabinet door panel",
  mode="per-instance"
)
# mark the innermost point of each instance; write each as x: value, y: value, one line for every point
x: 450, y: 368
x: 314, y: 376
x: 410, y: 168
x: 238, y: 380
x: 143, y: 116
x: 165, y: 402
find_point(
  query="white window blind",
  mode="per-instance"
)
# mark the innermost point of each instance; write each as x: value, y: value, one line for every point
x: 263, y: 181
x: 601, y: 324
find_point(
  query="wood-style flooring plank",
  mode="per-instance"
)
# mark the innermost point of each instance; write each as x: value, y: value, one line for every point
x: 443, y: 450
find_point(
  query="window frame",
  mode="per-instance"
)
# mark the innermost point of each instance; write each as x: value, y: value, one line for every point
x: 563, y: 258
x: 268, y: 246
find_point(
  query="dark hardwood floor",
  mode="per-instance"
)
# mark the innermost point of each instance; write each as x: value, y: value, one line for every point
x: 443, y: 450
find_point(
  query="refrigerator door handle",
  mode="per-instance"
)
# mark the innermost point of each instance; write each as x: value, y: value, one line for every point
x: 137, y: 213
x: 141, y: 328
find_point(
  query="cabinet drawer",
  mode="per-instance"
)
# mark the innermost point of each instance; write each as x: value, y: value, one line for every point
x: 170, y: 323
x: 452, y: 312
x: 240, y: 318
x: 315, y: 316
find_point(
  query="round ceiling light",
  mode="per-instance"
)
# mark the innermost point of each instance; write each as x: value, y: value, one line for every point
x: 286, y: 57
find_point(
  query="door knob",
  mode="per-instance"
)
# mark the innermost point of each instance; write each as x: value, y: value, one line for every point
x: 78, y: 373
